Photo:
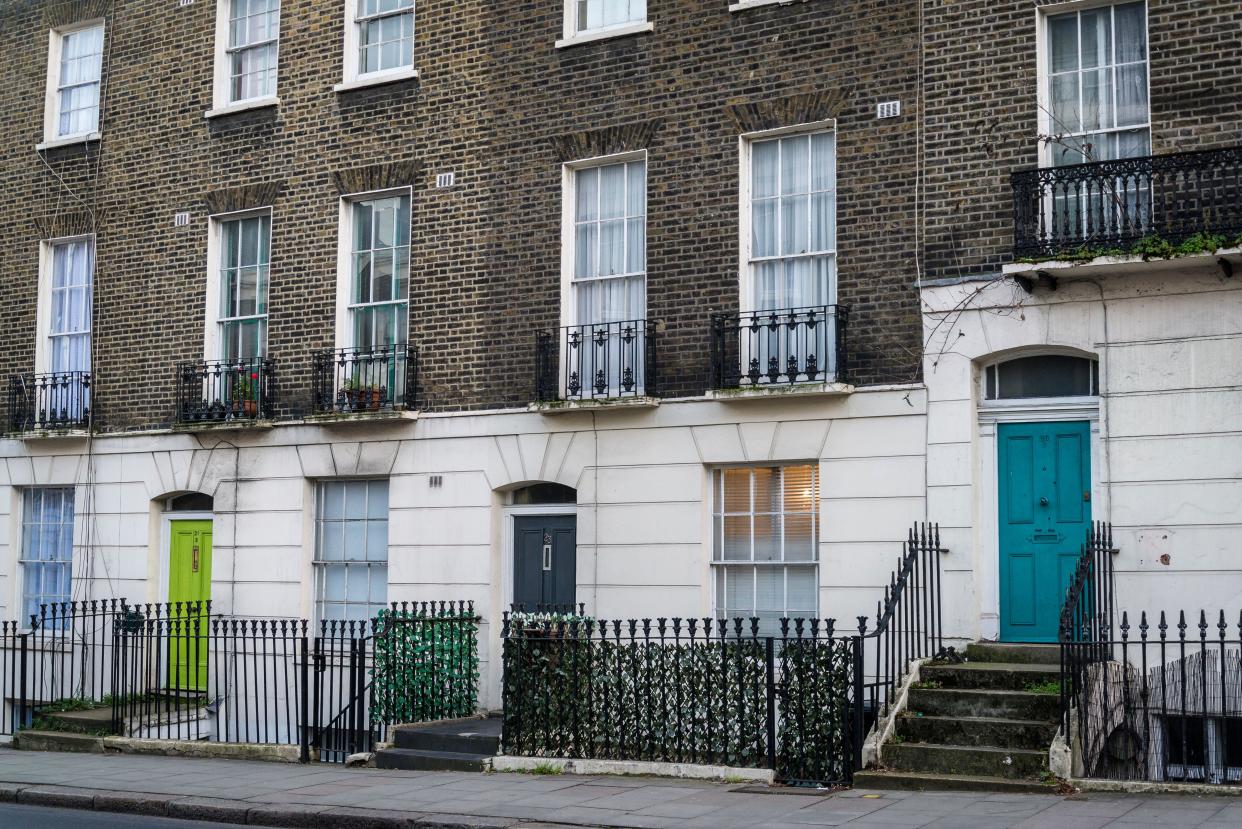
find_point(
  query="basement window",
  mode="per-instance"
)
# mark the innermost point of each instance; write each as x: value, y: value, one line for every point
x: 1202, y: 749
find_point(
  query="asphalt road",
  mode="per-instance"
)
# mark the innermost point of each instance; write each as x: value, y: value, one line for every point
x: 13, y: 816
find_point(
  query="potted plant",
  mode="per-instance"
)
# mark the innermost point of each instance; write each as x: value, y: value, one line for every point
x: 362, y: 397
x: 246, y: 394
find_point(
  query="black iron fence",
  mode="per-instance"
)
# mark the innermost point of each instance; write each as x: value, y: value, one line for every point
x: 180, y: 672
x: 1111, y: 206
x: 61, y: 400
x: 1157, y: 697
x: 711, y: 691
x: 218, y: 391
x: 716, y: 691
x: 781, y: 347
x: 369, y: 379
x: 909, y: 623
x: 600, y: 361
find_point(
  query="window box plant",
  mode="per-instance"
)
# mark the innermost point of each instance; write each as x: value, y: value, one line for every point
x: 246, y: 394
x: 363, y: 397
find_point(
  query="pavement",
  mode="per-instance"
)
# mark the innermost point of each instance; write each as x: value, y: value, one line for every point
x: 332, y: 797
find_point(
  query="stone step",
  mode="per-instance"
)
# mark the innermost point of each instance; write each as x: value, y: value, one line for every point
x: 1019, y: 653
x: 977, y: 731
x: 1006, y: 676
x: 414, y: 759
x: 460, y: 741
x: 954, y: 702
x: 982, y: 761
x: 910, y: 781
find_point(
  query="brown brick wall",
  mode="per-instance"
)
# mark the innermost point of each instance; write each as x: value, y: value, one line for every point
x: 981, y: 86
x: 700, y: 78
x: 159, y: 155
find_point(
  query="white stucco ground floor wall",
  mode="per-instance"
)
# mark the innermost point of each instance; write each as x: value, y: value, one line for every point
x: 1166, y: 466
x: 1166, y: 427
x: 644, y: 502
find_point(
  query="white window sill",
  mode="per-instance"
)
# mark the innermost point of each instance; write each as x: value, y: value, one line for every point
x: 377, y: 79
x: 68, y: 141
x: 743, y: 5
x: 242, y: 106
x: 605, y: 34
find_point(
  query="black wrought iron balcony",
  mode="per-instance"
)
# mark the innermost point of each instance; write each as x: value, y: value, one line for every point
x: 600, y: 361
x: 755, y: 349
x: 380, y: 378
x: 57, y: 401
x: 1128, y: 206
x: 225, y: 391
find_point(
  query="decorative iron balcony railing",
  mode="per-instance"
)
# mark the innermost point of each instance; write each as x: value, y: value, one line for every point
x: 368, y: 379
x: 61, y: 400
x: 599, y: 361
x: 771, y: 348
x: 1110, y: 206
x: 217, y: 391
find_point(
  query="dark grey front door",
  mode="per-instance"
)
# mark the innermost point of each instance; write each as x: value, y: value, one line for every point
x: 545, y: 550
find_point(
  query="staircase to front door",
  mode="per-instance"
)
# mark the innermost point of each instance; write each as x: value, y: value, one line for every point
x: 981, y: 725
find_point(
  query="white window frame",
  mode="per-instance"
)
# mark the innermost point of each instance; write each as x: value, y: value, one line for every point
x: 319, y: 566
x: 569, y: 305
x: 211, y: 330
x: 344, y: 259
x: 1042, y: 41
x: 352, y: 76
x: 51, y: 101
x: 745, y: 142
x: 43, y: 308
x: 716, y: 512
x: 22, y: 561
x: 743, y: 5
x: 222, y: 73
x: 571, y: 36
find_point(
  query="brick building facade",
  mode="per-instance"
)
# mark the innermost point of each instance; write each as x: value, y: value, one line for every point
x: 928, y: 109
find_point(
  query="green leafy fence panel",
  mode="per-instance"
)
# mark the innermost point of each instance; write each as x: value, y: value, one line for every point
x: 426, y: 662
x: 708, y: 691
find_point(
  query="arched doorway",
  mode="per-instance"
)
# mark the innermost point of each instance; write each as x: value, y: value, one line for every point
x: 542, y: 519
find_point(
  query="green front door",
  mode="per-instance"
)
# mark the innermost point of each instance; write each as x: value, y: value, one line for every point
x: 189, y: 583
x: 1045, y: 513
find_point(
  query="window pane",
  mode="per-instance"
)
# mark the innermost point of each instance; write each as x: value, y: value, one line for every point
x: 736, y: 490
x: 1063, y: 42
x: 801, y: 489
x: 1096, y: 37
x: 1130, y: 20
x: 767, y: 489
x: 801, y: 591
x: 736, y: 538
x: 586, y: 186
x: 1132, y: 95
x: 767, y: 538
x: 765, y: 166
x: 1048, y: 375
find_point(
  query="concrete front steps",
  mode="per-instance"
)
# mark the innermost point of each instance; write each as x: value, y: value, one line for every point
x: 452, y: 745
x: 976, y: 725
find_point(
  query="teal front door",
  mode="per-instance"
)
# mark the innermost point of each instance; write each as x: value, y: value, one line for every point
x: 1045, y: 513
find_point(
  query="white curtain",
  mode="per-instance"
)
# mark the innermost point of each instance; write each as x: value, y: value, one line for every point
x: 69, y: 337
